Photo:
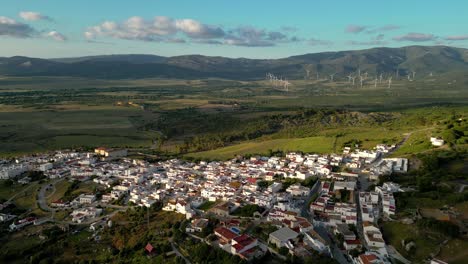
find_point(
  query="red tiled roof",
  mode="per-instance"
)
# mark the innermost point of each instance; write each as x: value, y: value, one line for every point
x: 238, y: 247
x: 353, y: 242
x: 149, y: 248
x: 252, y: 180
x: 225, y: 233
x: 368, y: 259
x: 234, y: 222
x: 244, y: 240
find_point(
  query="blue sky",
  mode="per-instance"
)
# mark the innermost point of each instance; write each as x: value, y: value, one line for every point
x: 241, y: 28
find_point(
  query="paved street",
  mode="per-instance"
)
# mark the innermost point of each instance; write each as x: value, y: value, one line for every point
x: 176, y: 250
x: 335, y: 251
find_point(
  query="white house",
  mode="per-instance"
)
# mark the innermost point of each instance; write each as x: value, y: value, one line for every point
x: 373, y: 236
x: 282, y: 237
x: 437, y: 142
x: 298, y: 190
x: 275, y: 187
x: 12, y: 171
x: 242, y: 244
x: 46, y: 166
x: 87, y: 198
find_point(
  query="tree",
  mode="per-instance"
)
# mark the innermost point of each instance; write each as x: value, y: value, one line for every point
x: 8, y: 183
x: 247, y: 210
x: 263, y: 184
x: 283, y: 251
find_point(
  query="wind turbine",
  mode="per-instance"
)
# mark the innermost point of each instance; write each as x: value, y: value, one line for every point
x: 414, y: 74
x: 349, y: 78
x: 380, y: 78
x: 331, y: 76
x: 286, y: 85
x: 375, y: 83
x: 308, y: 73
x: 390, y: 82
x: 361, y: 79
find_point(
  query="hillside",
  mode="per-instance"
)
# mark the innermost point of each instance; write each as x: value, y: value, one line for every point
x: 420, y: 59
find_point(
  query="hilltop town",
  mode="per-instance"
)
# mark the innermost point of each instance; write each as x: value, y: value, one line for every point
x: 328, y: 204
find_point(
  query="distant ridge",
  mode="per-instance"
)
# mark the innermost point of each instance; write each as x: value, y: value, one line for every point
x: 420, y: 59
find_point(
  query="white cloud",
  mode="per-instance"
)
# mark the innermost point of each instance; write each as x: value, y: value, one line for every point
x: 156, y: 29
x: 13, y: 28
x: 368, y: 43
x: 195, y: 29
x: 56, y: 36
x: 166, y: 29
x: 457, y: 37
x: 319, y: 42
x: 385, y: 28
x: 33, y: 16
x: 415, y: 37
x: 355, y: 29
x: 389, y: 28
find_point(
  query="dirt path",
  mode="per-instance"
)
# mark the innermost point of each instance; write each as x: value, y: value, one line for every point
x: 407, y: 136
x: 17, y: 194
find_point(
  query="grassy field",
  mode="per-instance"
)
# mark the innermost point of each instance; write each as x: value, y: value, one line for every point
x: 309, y: 145
x: 85, y: 187
x: 454, y: 252
x: 369, y: 136
x: 417, y: 142
x: 19, y: 241
x: 6, y: 192
x: 394, y: 232
x: 60, y: 189
x: 28, y: 200
x: 462, y: 208
x: 39, y: 131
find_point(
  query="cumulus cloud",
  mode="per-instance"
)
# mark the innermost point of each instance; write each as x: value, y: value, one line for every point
x: 389, y: 28
x: 385, y: 28
x: 456, y: 37
x: 249, y: 36
x: 355, y: 29
x: 33, y: 16
x: 12, y: 28
x: 378, y: 40
x: 379, y: 37
x: 367, y: 43
x: 56, y: 36
x: 166, y: 29
x: 157, y: 29
x: 319, y: 42
x: 415, y: 37
x: 195, y: 29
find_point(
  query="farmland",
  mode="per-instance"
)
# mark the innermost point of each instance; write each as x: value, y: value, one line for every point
x: 246, y: 117
x: 310, y: 144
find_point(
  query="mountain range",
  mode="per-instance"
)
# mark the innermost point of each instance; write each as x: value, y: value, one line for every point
x: 420, y: 59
